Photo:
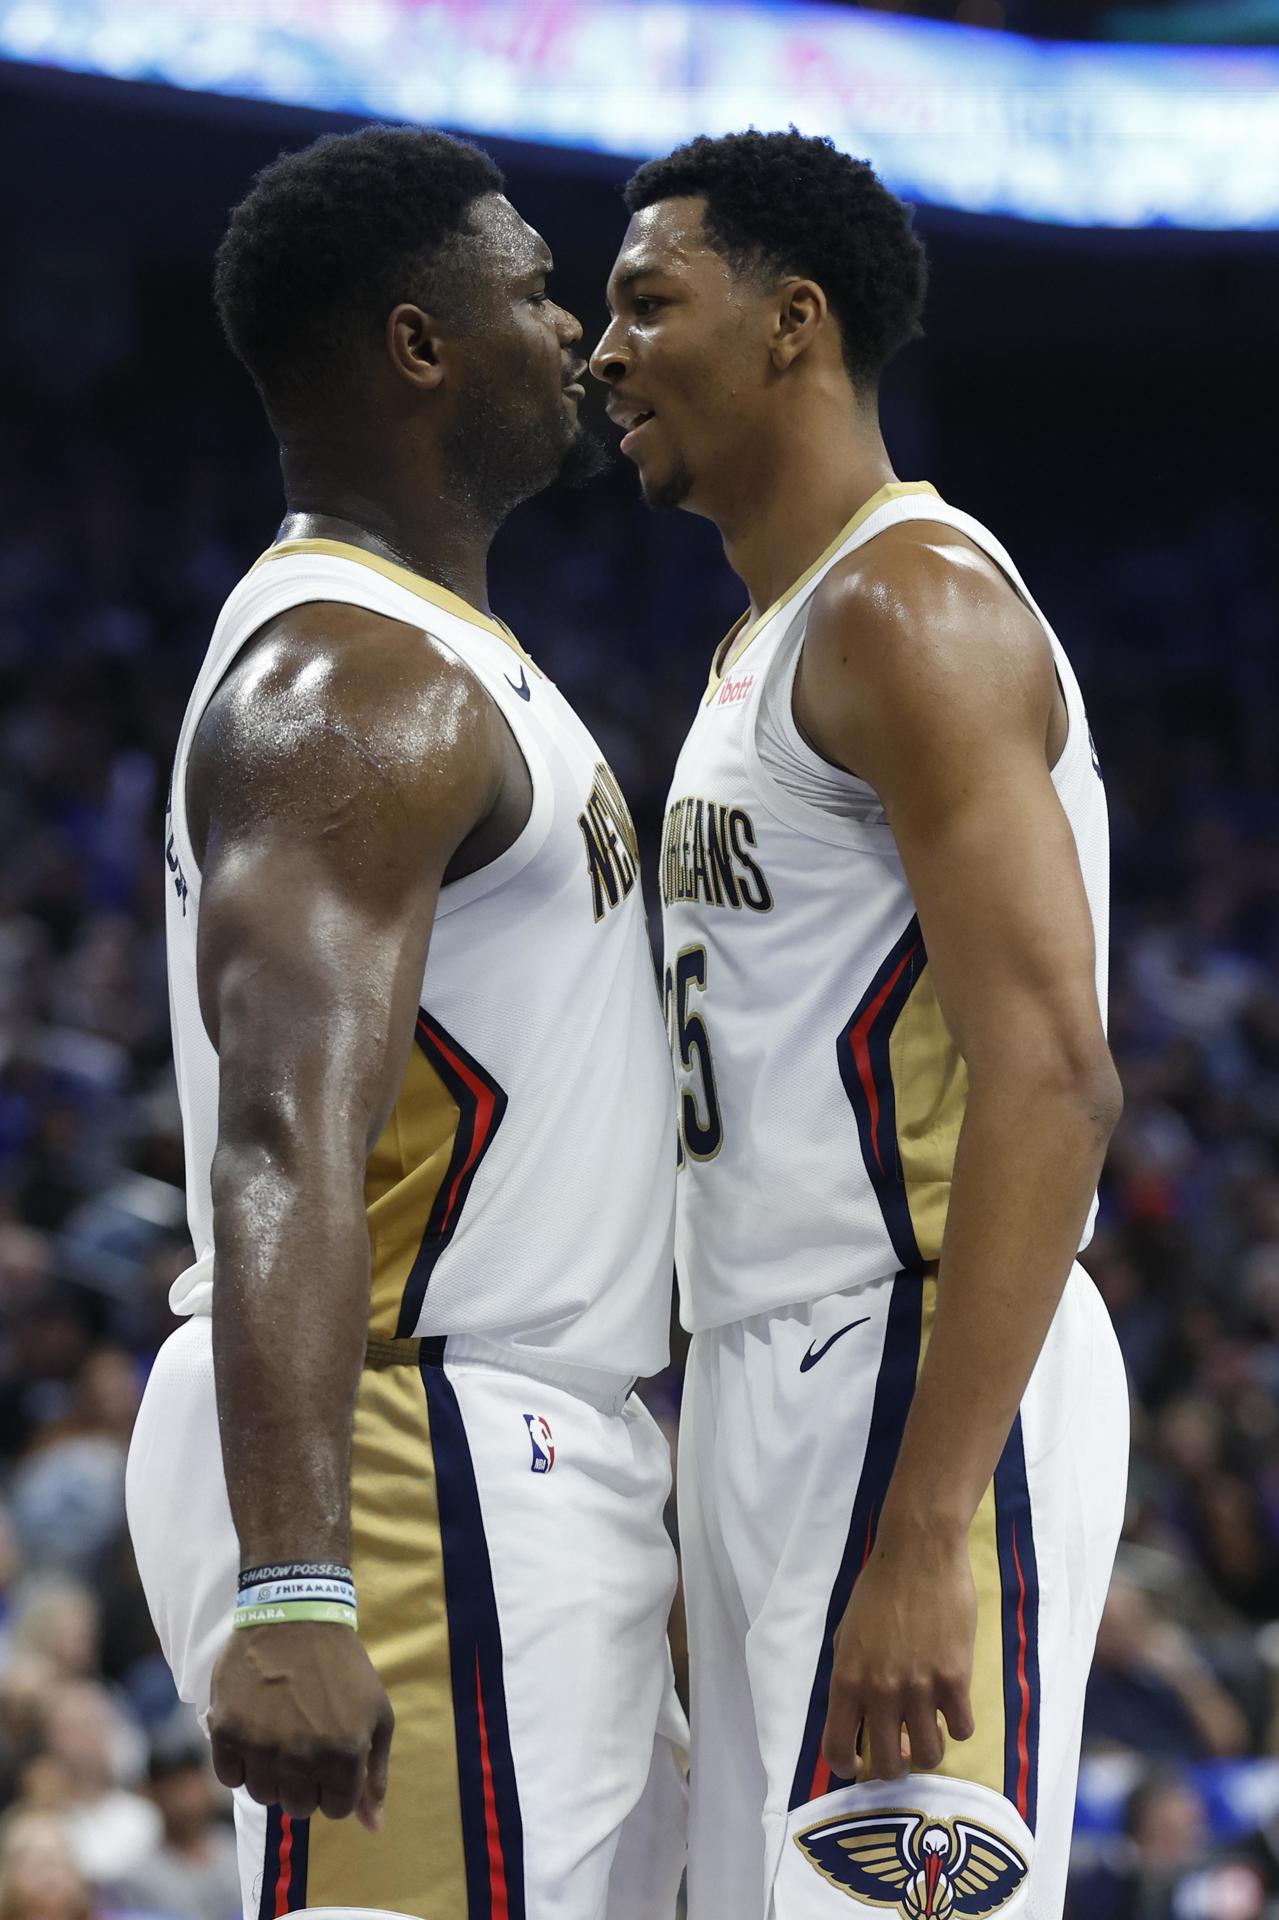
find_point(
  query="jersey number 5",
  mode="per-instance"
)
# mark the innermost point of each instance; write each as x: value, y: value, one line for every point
x: 700, y: 1127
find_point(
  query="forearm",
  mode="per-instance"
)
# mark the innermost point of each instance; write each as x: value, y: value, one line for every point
x: 1027, y: 1164
x: 290, y: 1316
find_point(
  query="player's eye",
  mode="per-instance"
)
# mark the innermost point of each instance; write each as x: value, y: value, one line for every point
x: 646, y: 303
x: 539, y: 297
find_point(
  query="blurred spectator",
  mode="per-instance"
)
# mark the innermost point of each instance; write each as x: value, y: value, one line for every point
x: 56, y: 1619
x: 67, y: 1495
x: 1150, y: 1689
x: 192, y: 1873
x: 39, y: 1877
x: 112, y: 1828
x: 25, y: 1681
x: 1163, y: 1866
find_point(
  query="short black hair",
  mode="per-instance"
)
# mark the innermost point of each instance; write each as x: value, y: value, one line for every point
x: 783, y: 203
x: 328, y: 239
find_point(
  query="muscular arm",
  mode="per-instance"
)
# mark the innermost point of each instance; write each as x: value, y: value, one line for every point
x: 924, y: 674
x: 334, y: 774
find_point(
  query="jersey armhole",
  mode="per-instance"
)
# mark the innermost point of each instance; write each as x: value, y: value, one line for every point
x: 985, y: 542
x: 529, y: 841
x: 804, y: 817
x: 457, y: 893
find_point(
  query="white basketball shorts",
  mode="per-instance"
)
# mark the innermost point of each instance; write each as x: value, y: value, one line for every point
x: 789, y: 1434
x: 514, y: 1581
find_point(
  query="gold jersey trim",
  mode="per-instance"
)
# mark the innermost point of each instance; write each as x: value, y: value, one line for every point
x: 742, y: 632
x: 428, y: 590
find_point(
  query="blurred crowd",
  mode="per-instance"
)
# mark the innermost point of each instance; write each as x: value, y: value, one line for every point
x: 122, y: 527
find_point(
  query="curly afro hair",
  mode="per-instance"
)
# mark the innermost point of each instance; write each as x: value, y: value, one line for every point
x: 781, y: 203
x: 327, y: 240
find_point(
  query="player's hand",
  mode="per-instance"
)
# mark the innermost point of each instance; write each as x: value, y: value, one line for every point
x: 300, y: 1718
x: 903, y: 1656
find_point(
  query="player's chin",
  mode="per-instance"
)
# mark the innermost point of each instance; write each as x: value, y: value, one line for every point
x: 664, y: 486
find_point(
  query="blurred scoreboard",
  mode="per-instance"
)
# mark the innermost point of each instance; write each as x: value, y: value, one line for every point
x: 1076, y: 135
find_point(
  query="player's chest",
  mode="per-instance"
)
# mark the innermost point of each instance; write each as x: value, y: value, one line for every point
x: 713, y: 824
x: 591, y: 841
x: 716, y: 750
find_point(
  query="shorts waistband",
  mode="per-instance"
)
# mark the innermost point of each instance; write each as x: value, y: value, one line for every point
x: 608, y: 1392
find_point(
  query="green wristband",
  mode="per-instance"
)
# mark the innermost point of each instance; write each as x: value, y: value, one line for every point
x: 282, y: 1612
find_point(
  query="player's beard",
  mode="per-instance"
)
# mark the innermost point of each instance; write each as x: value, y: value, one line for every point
x: 672, y: 492
x: 496, y: 458
x: 585, y: 460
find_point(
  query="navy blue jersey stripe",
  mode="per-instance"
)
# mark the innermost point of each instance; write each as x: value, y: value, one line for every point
x: 1019, y: 1578
x: 270, y: 1864
x: 299, y: 1861
x: 284, y: 1866
x: 481, y: 1104
x: 492, y: 1824
x: 865, y: 1067
x: 894, y: 1390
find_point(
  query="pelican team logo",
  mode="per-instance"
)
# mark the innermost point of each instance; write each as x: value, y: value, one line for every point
x: 920, y: 1868
x: 539, y: 1432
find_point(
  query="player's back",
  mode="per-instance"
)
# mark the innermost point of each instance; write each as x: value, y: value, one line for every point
x: 820, y: 1092
x: 520, y: 1196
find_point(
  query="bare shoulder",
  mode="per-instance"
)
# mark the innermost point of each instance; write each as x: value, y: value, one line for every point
x: 333, y: 712
x: 915, y: 634
x: 922, y: 592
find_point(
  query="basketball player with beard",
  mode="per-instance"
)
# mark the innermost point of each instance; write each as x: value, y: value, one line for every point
x: 426, y: 1099
x: 884, y: 874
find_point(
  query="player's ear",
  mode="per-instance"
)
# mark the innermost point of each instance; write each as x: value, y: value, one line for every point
x: 801, y: 313
x: 413, y: 343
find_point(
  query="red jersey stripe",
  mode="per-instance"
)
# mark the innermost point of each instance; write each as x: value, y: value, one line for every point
x: 859, y: 1041
x: 485, y: 1102
x: 284, y: 1878
x: 497, y: 1862
x: 1023, y: 1724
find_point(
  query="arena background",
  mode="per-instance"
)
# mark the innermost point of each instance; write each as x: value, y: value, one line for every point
x: 1092, y: 385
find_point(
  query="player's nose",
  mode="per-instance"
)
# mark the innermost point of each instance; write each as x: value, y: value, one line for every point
x: 569, y: 328
x: 611, y: 358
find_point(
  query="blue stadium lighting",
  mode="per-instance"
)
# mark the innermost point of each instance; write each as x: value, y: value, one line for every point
x: 1086, y: 136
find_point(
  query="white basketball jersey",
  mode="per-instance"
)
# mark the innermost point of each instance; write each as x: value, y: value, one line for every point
x: 820, y: 1092
x: 523, y: 1189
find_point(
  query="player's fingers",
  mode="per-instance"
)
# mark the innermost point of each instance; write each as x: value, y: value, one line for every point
x: 341, y: 1784
x: 228, y: 1761
x: 884, y: 1734
x: 954, y: 1699
x: 839, y: 1735
x: 369, y: 1811
x: 298, y: 1789
x: 260, y: 1777
x: 927, y: 1743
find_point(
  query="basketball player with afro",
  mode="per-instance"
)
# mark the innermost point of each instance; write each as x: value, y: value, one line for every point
x: 884, y: 880
x: 416, y: 1039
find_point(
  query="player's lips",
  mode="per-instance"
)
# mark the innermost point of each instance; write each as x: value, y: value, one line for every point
x: 576, y: 390
x: 631, y: 417
x: 629, y: 440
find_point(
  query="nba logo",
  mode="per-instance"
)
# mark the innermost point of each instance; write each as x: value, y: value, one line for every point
x: 539, y: 1433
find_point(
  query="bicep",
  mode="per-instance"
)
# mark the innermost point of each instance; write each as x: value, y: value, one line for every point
x: 938, y: 687
x: 308, y: 987
x: 995, y: 874
x: 337, y: 781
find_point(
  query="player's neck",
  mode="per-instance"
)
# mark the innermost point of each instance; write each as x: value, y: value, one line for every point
x: 405, y: 519
x: 814, y: 482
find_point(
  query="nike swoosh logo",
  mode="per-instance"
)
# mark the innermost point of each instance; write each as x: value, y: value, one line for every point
x: 521, y: 685
x: 811, y: 1358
